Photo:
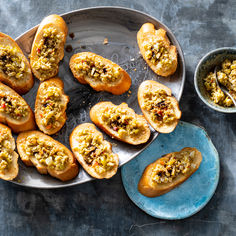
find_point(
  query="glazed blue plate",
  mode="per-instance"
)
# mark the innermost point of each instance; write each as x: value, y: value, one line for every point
x: 191, y: 196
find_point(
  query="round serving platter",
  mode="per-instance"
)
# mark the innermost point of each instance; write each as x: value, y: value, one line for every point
x: 87, y: 29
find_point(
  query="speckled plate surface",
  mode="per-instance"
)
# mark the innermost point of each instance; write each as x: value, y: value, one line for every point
x: 191, y: 196
x: 90, y: 27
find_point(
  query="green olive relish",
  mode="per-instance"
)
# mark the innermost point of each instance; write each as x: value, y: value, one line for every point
x: 47, y: 153
x: 95, y: 68
x: 11, y: 63
x: 227, y: 77
x: 159, y: 105
x: 120, y: 121
x: 167, y: 171
x: 13, y: 106
x: 95, y: 153
x: 47, y: 52
x: 6, y: 150
x: 157, y: 53
x: 52, y: 106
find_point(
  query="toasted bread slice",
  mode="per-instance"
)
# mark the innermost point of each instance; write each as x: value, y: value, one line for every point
x: 47, y: 155
x: 50, y: 106
x: 14, y: 111
x: 120, y: 122
x: 93, y: 152
x: 154, y: 181
x: 14, y: 67
x: 159, y: 107
x: 48, y: 47
x: 8, y: 157
x: 156, y: 50
x: 100, y: 73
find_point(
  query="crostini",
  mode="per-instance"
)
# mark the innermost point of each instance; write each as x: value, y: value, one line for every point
x: 8, y: 157
x: 169, y: 171
x: 93, y: 152
x: 100, y: 73
x: 156, y: 50
x: 14, y: 67
x: 14, y: 111
x: 48, y: 47
x: 159, y: 107
x: 47, y: 155
x: 50, y: 106
x: 120, y: 122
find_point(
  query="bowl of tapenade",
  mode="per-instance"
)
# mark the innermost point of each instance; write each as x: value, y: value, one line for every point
x: 205, y: 79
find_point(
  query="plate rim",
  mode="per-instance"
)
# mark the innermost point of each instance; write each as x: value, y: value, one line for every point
x: 209, y: 197
x: 180, y: 52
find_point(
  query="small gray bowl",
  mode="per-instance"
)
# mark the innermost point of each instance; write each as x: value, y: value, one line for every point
x: 206, y: 65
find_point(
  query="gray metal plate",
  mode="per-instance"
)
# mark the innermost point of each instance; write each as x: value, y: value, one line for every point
x: 90, y: 27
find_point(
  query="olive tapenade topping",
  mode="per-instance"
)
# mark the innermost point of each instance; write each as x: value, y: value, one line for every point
x: 13, y: 106
x: 158, y: 104
x: 11, y: 63
x: 227, y: 77
x: 120, y: 121
x: 6, y: 150
x: 96, y: 69
x: 94, y: 152
x: 46, y: 153
x: 52, y: 106
x: 158, y: 53
x: 47, y: 51
x: 179, y: 163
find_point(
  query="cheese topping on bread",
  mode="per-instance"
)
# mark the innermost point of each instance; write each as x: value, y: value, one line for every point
x: 52, y: 106
x: 12, y: 105
x: 46, y: 152
x: 94, y: 151
x: 6, y: 150
x: 178, y: 163
x: 92, y: 66
x: 121, y: 121
x: 158, y: 103
x: 12, y: 63
x: 157, y: 52
x: 47, y: 52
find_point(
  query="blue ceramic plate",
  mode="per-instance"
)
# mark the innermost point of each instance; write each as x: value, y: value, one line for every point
x: 191, y: 196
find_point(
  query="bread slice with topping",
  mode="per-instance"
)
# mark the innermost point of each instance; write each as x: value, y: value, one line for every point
x: 169, y: 171
x: 93, y: 152
x: 156, y: 50
x: 159, y: 107
x: 120, y: 122
x: 47, y: 155
x: 48, y: 47
x: 14, y: 67
x: 50, y: 106
x: 8, y: 157
x: 14, y: 111
x: 100, y: 73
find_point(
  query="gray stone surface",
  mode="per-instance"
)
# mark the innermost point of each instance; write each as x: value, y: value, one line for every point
x: 102, y: 207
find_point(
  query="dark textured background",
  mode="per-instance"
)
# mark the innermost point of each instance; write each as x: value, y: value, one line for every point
x: 102, y: 207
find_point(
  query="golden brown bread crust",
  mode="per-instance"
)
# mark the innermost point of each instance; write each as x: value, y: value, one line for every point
x: 153, y: 85
x: 116, y: 88
x: 49, y: 21
x: 24, y: 124
x: 57, y: 82
x: 150, y: 189
x: 23, y: 85
x: 12, y: 172
x: 148, y: 31
x: 69, y: 173
x: 95, y: 116
x: 79, y: 157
